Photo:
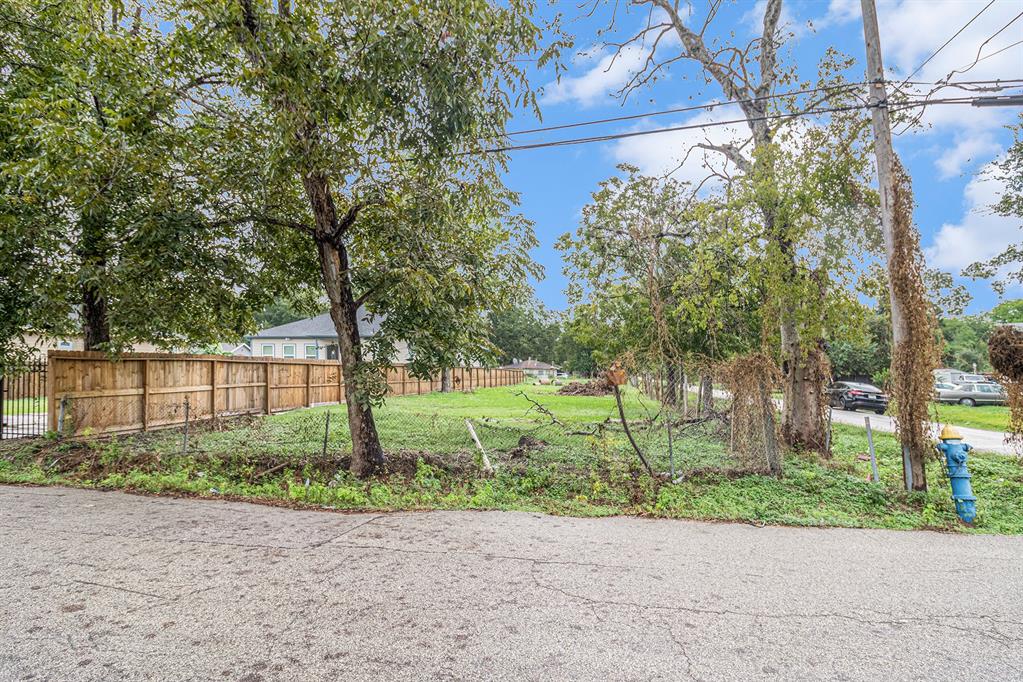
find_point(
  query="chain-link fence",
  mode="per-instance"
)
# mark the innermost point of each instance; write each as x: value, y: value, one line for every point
x: 516, y: 427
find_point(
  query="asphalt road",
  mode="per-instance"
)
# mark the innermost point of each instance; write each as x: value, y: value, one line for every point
x: 990, y: 441
x: 108, y: 586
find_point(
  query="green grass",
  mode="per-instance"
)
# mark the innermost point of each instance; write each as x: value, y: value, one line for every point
x: 25, y: 406
x: 586, y: 469
x: 990, y: 417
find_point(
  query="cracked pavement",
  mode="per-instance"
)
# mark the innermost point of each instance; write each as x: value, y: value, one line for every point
x: 109, y: 586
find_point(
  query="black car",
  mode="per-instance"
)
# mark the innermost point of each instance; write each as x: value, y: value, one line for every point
x: 850, y: 395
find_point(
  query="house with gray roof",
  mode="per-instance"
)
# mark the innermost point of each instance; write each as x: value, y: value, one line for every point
x: 314, y: 338
x: 534, y: 368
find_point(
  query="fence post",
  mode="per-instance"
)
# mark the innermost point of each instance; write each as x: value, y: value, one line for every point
x: 326, y: 432
x: 51, y: 392
x: 145, y: 395
x: 308, y: 388
x: 213, y: 391
x: 184, y: 442
x: 266, y: 387
x: 60, y: 416
x: 827, y: 436
x: 907, y: 468
x: 671, y: 451
x: 870, y: 446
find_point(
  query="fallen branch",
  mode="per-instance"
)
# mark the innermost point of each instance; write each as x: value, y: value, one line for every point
x: 540, y: 408
x: 625, y: 425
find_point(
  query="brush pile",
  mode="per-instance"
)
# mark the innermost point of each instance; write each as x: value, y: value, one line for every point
x: 1006, y: 351
x: 596, y: 387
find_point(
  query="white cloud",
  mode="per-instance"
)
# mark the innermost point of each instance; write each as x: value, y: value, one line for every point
x: 663, y: 152
x: 980, y: 234
x: 754, y: 20
x: 966, y: 152
x: 601, y: 81
x: 839, y: 12
x: 911, y: 31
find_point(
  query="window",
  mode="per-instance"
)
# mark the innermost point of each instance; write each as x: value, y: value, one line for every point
x: 311, y: 351
x: 64, y: 345
x: 267, y: 350
x: 288, y: 350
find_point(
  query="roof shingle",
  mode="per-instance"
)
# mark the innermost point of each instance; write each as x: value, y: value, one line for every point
x: 320, y: 327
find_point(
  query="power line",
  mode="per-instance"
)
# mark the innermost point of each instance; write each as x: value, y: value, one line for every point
x: 679, y: 110
x: 999, y: 85
x: 945, y: 44
x: 994, y: 35
x: 713, y: 124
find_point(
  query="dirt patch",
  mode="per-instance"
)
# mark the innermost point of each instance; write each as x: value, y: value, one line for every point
x: 406, y: 462
x: 596, y: 387
x: 526, y: 445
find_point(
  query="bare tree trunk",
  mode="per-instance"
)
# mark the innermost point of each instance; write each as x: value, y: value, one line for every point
x: 367, y: 454
x: 445, y: 380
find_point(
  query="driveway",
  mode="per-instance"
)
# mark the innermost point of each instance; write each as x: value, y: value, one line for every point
x: 108, y: 586
x: 989, y: 441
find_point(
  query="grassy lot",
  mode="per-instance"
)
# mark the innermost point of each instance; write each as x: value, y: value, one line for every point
x: 584, y: 466
x: 25, y: 406
x: 990, y: 417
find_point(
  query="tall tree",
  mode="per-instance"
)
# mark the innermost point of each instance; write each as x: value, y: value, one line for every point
x: 1007, y: 267
x: 749, y: 74
x: 1008, y: 311
x: 525, y: 331
x: 359, y: 126
x: 98, y: 190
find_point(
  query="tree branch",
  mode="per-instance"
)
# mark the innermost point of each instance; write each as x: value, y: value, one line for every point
x: 731, y: 152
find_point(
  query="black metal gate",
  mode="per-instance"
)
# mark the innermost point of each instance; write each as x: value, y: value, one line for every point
x: 23, y: 402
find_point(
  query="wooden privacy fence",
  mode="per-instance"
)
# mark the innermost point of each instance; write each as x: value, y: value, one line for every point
x: 142, y: 391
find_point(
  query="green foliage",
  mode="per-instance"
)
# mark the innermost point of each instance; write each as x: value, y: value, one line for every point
x: 1008, y: 311
x: 965, y: 342
x: 525, y: 331
x: 377, y: 113
x: 100, y: 194
x: 861, y: 345
x: 1009, y: 172
x: 654, y: 275
x: 283, y: 311
x: 574, y: 475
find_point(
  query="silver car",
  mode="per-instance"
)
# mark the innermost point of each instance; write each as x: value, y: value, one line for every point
x: 971, y: 394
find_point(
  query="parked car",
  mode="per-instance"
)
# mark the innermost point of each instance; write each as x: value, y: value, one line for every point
x: 972, y: 394
x: 850, y: 395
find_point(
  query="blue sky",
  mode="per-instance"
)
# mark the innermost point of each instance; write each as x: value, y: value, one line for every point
x: 944, y: 158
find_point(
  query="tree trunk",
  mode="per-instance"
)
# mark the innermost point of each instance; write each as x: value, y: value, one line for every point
x: 804, y: 395
x: 707, y: 390
x: 445, y: 380
x: 93, y: 254
x: 671, y: 387
x: 367, y: 454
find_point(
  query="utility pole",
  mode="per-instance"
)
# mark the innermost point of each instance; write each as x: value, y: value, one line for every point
x: 884, y: 153
x: 886, y: 188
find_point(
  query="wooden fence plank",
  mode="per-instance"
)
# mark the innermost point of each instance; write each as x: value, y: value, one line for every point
x: 141, y: 391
